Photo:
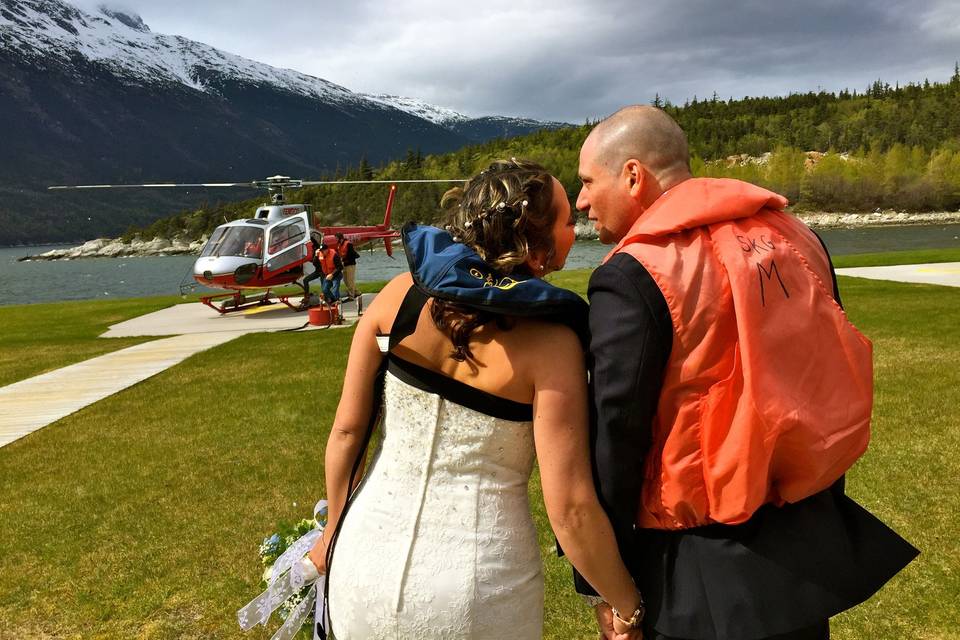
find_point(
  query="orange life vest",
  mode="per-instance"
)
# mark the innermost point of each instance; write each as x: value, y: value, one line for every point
x: 327, y: 260
x: 768, y: 389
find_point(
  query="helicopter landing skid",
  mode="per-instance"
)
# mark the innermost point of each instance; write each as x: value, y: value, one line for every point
x: 236, y: 301
x: 285, y: 299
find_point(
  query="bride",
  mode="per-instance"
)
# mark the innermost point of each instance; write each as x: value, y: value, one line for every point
x: 483, y: 374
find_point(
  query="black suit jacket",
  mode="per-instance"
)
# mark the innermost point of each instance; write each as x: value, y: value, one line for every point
x: 631, y: 337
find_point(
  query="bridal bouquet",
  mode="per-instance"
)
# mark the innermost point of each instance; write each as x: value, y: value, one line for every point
x: 292, y: 587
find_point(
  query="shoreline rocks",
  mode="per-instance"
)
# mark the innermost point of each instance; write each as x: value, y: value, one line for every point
x: 115, y: 248
x: 877, y: 218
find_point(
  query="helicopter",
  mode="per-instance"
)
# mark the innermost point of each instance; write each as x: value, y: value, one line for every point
x: 252, y: 256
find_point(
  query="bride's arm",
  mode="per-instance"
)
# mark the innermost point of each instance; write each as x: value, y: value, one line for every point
x: 354, y: 409
x: 563, y: 452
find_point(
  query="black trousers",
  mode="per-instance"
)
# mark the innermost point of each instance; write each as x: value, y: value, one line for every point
x: 317, y: 273
x: 819, y: 631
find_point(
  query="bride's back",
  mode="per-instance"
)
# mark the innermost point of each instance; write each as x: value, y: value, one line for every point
x: 503, y: 358
x: 439, y: 541
x: 442, y: 518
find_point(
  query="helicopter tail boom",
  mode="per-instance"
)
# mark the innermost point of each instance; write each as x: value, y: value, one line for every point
x: 386, y: 215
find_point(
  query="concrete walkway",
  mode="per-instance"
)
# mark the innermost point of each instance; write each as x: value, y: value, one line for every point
x: 30, y: 404
x: 946, y: 274
x: 34, y: 403
x: 199, y: 318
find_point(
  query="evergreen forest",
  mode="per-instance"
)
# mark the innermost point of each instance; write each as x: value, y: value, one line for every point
x: 886, y: 147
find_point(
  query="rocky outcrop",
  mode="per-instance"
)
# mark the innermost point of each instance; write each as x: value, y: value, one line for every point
x: 116, y: 248
x: 810, y: 159
x: 743, y: 159
x: 877, y: 218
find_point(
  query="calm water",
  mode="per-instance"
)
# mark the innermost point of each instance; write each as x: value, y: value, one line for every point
x: 22, y: 282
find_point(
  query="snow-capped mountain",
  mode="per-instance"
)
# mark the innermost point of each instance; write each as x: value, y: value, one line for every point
x: 99, y: 97
x: 475, y: 129
x: 51, y: 31
x: 433, y: 113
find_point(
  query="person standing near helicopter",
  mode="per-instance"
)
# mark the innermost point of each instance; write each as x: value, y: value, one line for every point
x: 332, y: 266
x: 349, y: 255
x: 316, y: 260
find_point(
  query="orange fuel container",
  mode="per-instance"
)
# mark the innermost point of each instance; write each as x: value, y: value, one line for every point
x: 322, y: 315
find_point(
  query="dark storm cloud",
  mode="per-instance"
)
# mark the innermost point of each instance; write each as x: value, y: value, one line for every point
x: 569, y: 61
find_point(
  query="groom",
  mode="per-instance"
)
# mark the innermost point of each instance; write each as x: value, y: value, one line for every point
x: 731, y: 394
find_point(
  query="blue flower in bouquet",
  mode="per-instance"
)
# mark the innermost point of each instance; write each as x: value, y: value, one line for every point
x: 271, y: 548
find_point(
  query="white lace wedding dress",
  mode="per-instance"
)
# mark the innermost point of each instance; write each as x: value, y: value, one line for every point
x: 439, y: 542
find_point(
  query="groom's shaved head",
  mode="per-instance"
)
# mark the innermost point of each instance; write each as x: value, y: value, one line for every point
x: 646, y: 134
x: 626, y: 163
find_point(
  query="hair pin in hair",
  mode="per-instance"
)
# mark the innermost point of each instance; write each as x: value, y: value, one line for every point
x: 468, y: 224
x: 524, y: 203
x: 501, y: 206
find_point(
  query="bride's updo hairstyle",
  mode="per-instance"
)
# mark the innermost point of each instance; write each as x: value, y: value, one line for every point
x: 504, y: 213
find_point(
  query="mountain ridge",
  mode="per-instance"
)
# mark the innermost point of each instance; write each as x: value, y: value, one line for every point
x: 99, y: 97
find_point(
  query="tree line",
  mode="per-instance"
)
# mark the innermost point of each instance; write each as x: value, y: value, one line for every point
x: 883, y: 147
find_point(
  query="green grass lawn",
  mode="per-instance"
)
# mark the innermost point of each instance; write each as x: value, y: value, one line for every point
x: 37, y: 338
x: 915, y: 256
x: 140, y: 516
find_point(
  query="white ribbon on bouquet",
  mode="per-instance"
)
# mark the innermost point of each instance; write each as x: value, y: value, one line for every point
x: 291, y: 572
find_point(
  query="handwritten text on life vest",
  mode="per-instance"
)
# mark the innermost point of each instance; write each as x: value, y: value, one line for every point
x: 761, y: 246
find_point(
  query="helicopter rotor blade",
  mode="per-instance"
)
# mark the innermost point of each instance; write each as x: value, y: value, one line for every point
x: 287, y: 183
x: 249, y: 185
x: 316, y: 182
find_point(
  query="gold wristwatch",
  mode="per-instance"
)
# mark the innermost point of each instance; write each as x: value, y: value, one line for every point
x: 636, y: 618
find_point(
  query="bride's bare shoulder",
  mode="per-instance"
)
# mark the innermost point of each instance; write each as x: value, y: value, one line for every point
x: 543, y: 341
x: 383, y: 309
x: 398, y: 285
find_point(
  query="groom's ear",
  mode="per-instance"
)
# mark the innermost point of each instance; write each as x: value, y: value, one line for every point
x: 634, y: 175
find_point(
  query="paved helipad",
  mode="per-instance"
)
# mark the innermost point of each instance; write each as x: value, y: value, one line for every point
x: 943, y: 273
x: 34, y: 403
x: 199, y: 318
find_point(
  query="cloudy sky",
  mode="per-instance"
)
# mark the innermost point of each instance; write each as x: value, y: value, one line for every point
x: 565, y: 60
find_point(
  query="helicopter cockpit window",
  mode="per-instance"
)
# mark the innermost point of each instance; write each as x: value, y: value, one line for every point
x: 235, y: 241
x: 285, y: 235
x: 213, y: 243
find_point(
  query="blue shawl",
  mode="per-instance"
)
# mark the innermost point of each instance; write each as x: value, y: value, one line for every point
x: 452, y: 271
